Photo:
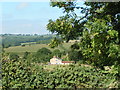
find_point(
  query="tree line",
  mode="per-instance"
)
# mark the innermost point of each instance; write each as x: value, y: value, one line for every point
x: 8, y: 40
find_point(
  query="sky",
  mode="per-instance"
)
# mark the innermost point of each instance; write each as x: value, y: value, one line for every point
x: 27, y: 17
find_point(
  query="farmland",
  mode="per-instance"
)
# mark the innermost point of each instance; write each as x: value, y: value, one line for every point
x: 33, y: 48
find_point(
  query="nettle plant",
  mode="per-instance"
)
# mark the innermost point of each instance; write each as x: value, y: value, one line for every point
x: 98, y: 42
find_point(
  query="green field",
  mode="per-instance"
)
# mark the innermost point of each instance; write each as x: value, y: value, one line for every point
x: 34, y: 47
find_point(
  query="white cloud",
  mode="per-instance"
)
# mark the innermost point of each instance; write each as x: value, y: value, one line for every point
x: 22, y: 5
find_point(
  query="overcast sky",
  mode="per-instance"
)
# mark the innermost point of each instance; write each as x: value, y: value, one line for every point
x: 27, y: 17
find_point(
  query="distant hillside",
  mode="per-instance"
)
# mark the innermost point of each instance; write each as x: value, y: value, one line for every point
x: 16, y: 39
x: 35, y: 47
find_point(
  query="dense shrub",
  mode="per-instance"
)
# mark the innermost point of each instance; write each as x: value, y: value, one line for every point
x: 13, y: 56
x: 44, y: 51
x: 26, y: 54
x: 57, y: 52
x: 42, y: 55
x: 74, y: 55
x: 19, y: 75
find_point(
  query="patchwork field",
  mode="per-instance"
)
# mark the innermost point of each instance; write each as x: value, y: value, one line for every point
x: 35, y: 47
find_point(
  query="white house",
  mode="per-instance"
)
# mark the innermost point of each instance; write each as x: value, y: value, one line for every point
x: 56, y: 60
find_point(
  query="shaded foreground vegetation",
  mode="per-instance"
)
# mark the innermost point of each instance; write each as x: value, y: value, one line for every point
x: 32, y: 71
x: 18, y: 74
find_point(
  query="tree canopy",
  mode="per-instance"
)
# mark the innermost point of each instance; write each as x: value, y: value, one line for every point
x: 98, y: 26
x: 92, y: 10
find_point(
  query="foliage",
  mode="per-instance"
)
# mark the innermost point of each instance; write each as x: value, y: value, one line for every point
x: 43, y: 42
x: 97, y: 41
x: 42, y: 55
x: 74, y: 55
x: 19, y: 75
x: 13, y: 56
x: 44, y: 51
x: 67, y: 5
x: 55, y: 43
x: 97, y: 26
x: 34, y: 48
x: 68, y: 28
x: 100, y: 33
x: 16, y: 39
x: 75, y: 46
x: 57, y: 52
x: 92, y: 10
x: 101, y: 10
x: 26, y: 55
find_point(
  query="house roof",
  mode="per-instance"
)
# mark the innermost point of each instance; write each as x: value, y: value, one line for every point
x: 67, y: 61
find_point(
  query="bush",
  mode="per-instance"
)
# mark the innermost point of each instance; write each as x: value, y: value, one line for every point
x: 23, y: 45
x: 42, y: 55
x: 44, y: 51
x: 75, y: 55
x: 26, y: 55
x: 18, y: 75
x: 56, y: 52
x: 13, y: 56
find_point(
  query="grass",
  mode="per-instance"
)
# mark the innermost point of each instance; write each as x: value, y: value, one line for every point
x: 35, y: 47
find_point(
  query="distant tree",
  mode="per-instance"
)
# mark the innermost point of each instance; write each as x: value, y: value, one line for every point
x: 42, y: 55
x: 23, y: 45
x: 44, y: 51
x: 16, y: 39
x: 57, y: 52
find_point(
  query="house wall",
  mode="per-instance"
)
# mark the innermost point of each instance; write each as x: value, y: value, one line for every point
x: 55, y: 61
x: 59, y: 61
